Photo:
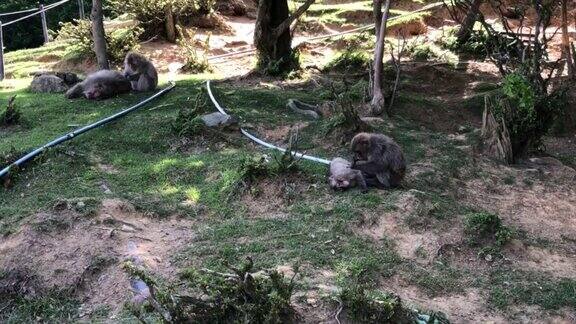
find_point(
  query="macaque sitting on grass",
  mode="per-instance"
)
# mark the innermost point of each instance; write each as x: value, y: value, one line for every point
x: 380, y: 159
x: 342, y: 176
x: 141, y: 73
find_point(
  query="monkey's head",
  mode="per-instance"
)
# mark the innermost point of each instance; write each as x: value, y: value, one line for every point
x: 338, y: 183
x: 134, y: 61
x: 360, y: 146
x: 95, y: 92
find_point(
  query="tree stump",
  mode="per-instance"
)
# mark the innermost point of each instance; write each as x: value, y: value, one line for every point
x: 495, y: 135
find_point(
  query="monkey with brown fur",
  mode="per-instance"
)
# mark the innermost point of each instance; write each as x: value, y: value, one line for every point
x: 342, y: 177
x: 380, y: 160
x: 140, y: 71
x: 100, y: 85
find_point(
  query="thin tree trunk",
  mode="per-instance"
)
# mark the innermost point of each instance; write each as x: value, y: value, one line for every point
x: 170, y: 26
x: 566, y: 40
x: 468, y: 23
x: 377, y: 15
x: 99, y: 35
x: 378, y: 102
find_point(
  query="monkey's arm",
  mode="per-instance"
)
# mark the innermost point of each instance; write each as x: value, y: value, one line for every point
x: 377, y: 172
x: 132, y: 77
x: 360, y: 180
x: 75, y: 91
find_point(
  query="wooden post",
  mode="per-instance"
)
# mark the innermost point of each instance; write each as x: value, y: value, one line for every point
x: 81, y: 9
x: 1, y: 54
x: 44, y: 24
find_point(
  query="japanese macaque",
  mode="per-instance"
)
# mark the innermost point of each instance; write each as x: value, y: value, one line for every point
x: 342, y: 177
x: 100, y: 85
x: 140, y: 72
x: 379, y: 158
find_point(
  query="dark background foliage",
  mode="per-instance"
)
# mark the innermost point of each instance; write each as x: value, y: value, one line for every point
x: 28, y: 33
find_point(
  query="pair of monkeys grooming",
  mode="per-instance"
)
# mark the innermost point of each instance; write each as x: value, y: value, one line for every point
x: 378, y: 162
x: 139, y: 75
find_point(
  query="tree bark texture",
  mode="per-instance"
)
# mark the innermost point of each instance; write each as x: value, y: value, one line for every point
x: 468, y: 23
x: 378, y: 103
x: 566, y: 40
x: 99, y: 35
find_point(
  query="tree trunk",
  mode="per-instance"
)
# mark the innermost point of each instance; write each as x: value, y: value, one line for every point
x: 272, y: 33
x: 566, y: 40
x: 468, y: 23
x: 377, y: 15
x: 99, y: 35
x: 170, y: 26
x: 378, y: 102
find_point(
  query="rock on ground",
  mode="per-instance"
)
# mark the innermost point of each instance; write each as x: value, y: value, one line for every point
x: 219, y: 120
x: 48, y: 84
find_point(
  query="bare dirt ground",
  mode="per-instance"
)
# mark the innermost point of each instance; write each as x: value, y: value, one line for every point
x: 67, y: 249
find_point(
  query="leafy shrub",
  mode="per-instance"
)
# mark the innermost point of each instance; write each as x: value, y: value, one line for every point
x: 423, y: 51
x: 121, y: 41
x: 195, y: 62
x: 240, y: 296
x: 79, y: 35
x: 188, y: 122
x: 152, y: 13
x: 282, y: 67
x: 476, y: 45
x: 205, y: 7
x: 352, y: 59
x: 11, y: 116
x: 366, y: 305
x: 527, y: 114
x: 486, y: 227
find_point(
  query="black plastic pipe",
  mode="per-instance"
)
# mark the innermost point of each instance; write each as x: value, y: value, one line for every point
x: 82, y: 130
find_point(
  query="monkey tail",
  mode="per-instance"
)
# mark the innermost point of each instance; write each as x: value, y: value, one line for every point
x: 259, y: 141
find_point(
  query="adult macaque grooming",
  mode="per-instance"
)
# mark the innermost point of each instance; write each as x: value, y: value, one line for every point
x: 343, y: 177
x: 140, y: 72
x: 100, y: 85
x: 379, y: 158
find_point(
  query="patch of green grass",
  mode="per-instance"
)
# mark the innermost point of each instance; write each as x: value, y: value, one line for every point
x: 20, y: 64
x: 51, y: 308
x: 350, y: 60
x: 483, y: 227
x: 319, y: 237
x: 437, y: 279
x: 430, y: 52
x: 513, y: 287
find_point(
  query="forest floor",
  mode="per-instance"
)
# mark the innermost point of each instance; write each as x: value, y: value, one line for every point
x: 70, y: 219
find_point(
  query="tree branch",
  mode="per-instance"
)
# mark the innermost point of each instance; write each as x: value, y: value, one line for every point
x: 286, y: 23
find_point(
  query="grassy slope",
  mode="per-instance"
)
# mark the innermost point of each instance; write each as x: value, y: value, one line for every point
x: 158, y: 179
x: 317, y: 230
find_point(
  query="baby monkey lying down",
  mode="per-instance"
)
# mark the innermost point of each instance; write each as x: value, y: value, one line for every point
x: 342, y: 176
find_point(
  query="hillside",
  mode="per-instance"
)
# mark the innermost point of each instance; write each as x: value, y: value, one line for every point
x: 143, y: 188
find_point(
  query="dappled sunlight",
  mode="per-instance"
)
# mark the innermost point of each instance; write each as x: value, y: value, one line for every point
x: 164, y: 165
x: 168, y: 163
x: 192, y: 195
x: 169, y: 190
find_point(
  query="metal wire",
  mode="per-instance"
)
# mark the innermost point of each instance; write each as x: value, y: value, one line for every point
x: 351, y: 31
x: 46, y: 8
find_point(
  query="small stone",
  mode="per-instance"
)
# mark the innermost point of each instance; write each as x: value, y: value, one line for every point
x: 219, y: 120
x: 80, y: 204
x: 463, y: 129
x: 128, y: 229
x: 488, y: 257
